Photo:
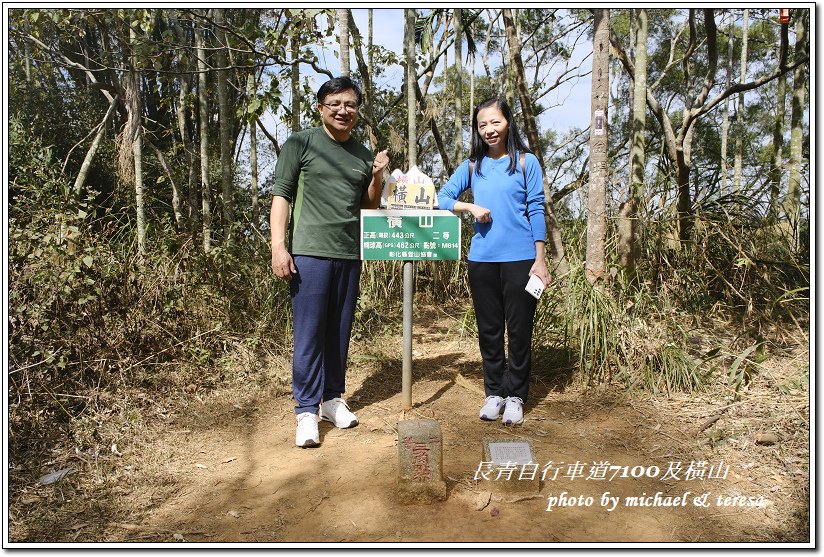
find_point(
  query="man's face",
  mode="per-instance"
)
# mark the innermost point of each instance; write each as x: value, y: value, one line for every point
x: 339, y: 112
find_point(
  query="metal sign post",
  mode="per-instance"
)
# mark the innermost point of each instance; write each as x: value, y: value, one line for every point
x: 406, y: 373
x: 408, y: 236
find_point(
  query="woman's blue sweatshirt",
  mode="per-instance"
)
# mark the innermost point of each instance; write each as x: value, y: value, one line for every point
x: 516, y: 210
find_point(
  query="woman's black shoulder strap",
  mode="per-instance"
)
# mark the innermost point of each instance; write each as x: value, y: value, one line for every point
x: 523, y: 168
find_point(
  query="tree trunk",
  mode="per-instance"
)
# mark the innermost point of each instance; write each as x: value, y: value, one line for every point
x: 739, y: 117
x: 296, y: 94
x: 598, y: 169
x: 343, y: 23
x: 175, y: 192
x: 458, y: 84
x: 629, y: 248
x: 188, y: 147
x: 203, y: 109
x: 366, y: 84
x: 472, y: 85
x: 777, y: 160
x: 87, y: 161
x: 369, y: 55
x: 184, y: 127
x: 27, y: 56
x: 225, y: 126
x: 485, y: 58
x: 684, y: 203
x: 411, y: 81
x: 554, y: 240
x: 516, y: 64
x: 725, y: 117
x: 633, y: 40
x: 792, y: 206
x: 253, y: 164
x: 136, y: 128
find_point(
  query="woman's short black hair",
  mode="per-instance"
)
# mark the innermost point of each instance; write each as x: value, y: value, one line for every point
x: 336, y: 85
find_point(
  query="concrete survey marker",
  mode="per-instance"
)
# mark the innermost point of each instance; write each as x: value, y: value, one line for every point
x: 509, y: 469
x: 420, y: 458
x: 508, y: 451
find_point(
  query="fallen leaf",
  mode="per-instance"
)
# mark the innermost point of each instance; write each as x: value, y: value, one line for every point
x: 54, y: 476
x: 494, y: 511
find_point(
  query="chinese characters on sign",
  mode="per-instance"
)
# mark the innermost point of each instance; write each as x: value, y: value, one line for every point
x: 413, y: 190
x: 410, y: 235
x: 409, y: 228
x: 420, y: 458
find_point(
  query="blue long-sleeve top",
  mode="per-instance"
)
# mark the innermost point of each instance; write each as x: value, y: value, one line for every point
x: 516, y: 210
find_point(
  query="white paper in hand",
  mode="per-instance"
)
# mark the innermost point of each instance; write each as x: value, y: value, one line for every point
x: 535, y: 286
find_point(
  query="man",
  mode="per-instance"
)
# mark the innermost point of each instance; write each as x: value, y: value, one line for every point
x: 327, y: 176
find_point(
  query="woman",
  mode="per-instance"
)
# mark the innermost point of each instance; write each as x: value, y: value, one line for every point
x: 507, y: 248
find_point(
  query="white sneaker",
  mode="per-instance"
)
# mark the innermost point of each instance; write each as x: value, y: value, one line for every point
x: 492, y: 408
x: 337, y: 412
x: 514, y: 412
x: 307, y: 430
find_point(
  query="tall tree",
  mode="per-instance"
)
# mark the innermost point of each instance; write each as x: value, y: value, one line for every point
x: 739, y: 113
x: 87, y: 161
x: 294, y: 41
x: 678, y: 142
x: 369, y: 32
x: 253, y: 162
x: 792, y: 206
x: 725, y: 115
x: 554, y: 241
x: 458, y: 25
x: 368, y: 109
x: 598, y: 165
x: 225, y: 122
x: 628, y: 224
x: 777, y: 159
x: 135, y: 134
x: 343, y: 26
x: 203, y: 111
x: 185, y: 125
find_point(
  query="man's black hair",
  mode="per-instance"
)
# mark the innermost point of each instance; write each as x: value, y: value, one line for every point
x: 336, y: 85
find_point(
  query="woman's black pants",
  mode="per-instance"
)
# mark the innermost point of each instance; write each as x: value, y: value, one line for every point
x: 501, y: 302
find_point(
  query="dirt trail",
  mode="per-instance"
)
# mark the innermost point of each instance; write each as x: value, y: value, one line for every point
x: 237, y: 476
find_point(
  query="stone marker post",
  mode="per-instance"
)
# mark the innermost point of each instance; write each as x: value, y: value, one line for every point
x: 420, y: 451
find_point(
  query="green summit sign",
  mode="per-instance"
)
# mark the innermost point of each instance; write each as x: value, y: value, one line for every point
x: 426, y: 235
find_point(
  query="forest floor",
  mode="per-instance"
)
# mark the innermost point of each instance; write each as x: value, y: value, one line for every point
x: 221, y: 466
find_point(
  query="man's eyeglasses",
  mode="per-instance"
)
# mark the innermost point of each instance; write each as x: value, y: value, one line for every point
x: 336, y: 107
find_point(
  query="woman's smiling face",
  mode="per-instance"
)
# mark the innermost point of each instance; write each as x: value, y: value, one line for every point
x: 493, y: 128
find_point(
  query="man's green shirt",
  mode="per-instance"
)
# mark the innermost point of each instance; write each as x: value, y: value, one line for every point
x: 324, y: 180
